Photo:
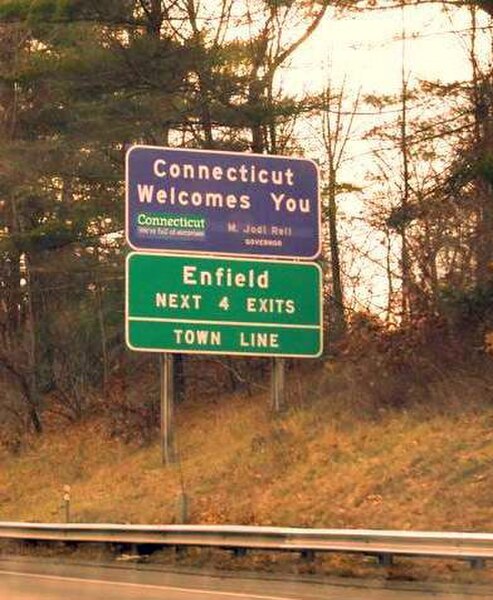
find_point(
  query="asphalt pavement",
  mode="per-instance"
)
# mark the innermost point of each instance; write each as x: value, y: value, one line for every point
x: 34, y: 580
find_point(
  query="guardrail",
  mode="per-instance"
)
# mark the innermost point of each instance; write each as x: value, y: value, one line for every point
x: 473, y: 547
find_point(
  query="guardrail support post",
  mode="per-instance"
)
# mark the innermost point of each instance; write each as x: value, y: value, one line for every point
x: 308, y: 555
x: 147, y: 549
x: 385, y: 560
x: 477, y: 563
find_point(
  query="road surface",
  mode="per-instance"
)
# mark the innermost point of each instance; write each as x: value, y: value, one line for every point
x: 31, y: 580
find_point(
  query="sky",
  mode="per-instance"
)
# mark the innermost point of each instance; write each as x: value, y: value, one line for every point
x: 366, y: 47
x: 366, y: 52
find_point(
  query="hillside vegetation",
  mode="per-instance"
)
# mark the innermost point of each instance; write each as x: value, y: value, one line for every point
x: 331, y: 460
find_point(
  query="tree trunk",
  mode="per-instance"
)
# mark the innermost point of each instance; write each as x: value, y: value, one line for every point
x: 33, y: 393
x: 102, y: 330
x: 405, y: 261
x: 337, y: 317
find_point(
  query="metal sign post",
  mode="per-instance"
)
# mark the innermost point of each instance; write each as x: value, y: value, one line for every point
x: 167, y: 401
x: 278, y: 385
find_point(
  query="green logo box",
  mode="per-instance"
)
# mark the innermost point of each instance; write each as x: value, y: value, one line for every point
x: 192, y: 304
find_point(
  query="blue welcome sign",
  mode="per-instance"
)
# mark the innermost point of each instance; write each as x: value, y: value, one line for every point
x: 222, y: 203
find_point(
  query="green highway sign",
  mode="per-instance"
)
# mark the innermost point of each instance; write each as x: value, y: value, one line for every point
x: 190, y: 304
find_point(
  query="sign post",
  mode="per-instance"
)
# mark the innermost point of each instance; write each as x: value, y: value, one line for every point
x: 277, y: 384
x: 167, y: 401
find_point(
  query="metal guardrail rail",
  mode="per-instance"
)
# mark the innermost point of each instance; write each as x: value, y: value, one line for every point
x: 473, y: 547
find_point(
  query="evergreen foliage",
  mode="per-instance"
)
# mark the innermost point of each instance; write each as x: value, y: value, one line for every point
x: 80, y: 81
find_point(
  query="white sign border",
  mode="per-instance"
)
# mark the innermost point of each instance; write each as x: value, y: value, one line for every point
x: 218, y: 252
x: 223, y: 353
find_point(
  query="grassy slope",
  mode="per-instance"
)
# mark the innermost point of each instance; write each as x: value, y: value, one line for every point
x: 328, y: 463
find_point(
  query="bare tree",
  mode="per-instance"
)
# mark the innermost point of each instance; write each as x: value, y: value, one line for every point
x: 336, y: 130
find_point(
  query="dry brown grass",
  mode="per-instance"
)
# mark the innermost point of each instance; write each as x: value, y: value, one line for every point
x: 333, y: 460
x: 328, y: 462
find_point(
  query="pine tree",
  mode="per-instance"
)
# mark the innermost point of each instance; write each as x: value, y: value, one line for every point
x: 78, y: 85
